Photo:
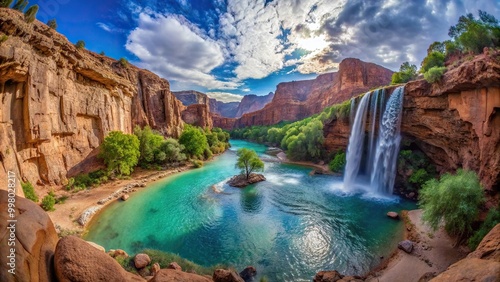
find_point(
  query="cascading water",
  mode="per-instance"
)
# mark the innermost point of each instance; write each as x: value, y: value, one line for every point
x: 378, y: 172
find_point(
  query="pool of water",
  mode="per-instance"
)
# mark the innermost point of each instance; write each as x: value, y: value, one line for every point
x: 288, y: 227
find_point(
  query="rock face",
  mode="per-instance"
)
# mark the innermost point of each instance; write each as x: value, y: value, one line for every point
x: 223, y: 122
x: 251, y: 103
x: 241, y: 181
x: 57, y: 103
x: 198, y: 115
x: 223, y: 275
x: 299, y: 99
x: 191, y: 97
x: 471, y: 269
x: 35, y: 239
x: 75, y: 260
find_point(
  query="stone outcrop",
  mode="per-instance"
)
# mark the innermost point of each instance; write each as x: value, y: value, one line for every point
x: 198, y: 115
x: 489, y: 248
x: 455, y: 122
x: 223, y: 122
x: 75, y: 260
x: 299, y: 99
x: 191, y: 97
x: 35, y: 242
x: 241, y: 181
x: 171, y: 275
x: 251, y: 103
x: 471, y: 269
x: 57, y: 103
x: 223, y: 275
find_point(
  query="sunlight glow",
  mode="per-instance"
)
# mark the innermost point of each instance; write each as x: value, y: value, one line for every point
x: 313, y: 43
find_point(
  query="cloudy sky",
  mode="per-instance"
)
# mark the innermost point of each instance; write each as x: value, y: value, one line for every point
x: 248, y: 46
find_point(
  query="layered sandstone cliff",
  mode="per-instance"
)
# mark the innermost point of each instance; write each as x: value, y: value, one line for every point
x: 57, y: 102
x: 299, y: 99
x: 251, y: 103
x: 455, y: 122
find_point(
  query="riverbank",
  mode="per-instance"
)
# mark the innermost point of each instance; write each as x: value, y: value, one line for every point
x: 433, y: 253
x: 318, y: 168
x: 66, y: 215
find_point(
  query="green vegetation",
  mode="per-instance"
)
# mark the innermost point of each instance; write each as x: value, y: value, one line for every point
x: 338, y: 162
x: 5, y: 3
x: 49, y: 201
x: 3, y: 38
x: 52, y: 23
x: 454, y: 199
x: 87, y: 180
x: 415, y: 168
x: 102, y: 53
x: 194, y: 141
x: 302, y: 140
x: 197, y: 163
x: 434, y: 74
x: 472, y: 35
x: 80, y: 44
x: 120, y: 152
x: 20, y: 5
x: 29, y: 191
x: 30, y: 14
x: 164, y: 259
x: 123, y: 62
x: 406, y: 73
x: 156, y: 150
x: 248, y: 162
x: 492, y: 219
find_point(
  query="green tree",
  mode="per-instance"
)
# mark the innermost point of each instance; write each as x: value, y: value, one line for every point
x: 52, y: 23
x: 454, y: 199
x: 338, y: 162
x: 120, y: 152
x: 492, y: 219
x: 434, y: 74
x: 475, y: 34
x: 80, y: 44
x: 20, y: 5
x: 248, y: 162
x: 149, y: 145
x: 406, y: 73
x: 172, y: 151
x: 30, y: 14
x: 194, y: 141
x: 29, y: 191
x: 5, y: 3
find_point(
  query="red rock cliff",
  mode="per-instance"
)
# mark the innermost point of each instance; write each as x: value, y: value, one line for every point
x: 57, y: 103
x: 299, y: 99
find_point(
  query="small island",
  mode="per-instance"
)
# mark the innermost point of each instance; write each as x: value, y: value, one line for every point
x: 248, y: 162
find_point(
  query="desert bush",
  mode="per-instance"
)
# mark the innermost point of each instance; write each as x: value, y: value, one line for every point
x: 434, y: 74
x: 48, y: 202
x: 29, y: 191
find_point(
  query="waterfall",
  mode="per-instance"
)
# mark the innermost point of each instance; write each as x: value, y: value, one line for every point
x: 377, y: 169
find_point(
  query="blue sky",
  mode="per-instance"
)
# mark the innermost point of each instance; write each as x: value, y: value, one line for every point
x: 237, y: 47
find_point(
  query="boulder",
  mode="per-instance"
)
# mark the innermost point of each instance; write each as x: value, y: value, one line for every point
x: 240, y: 181
x: 175, y: 266
x: 125, y: 197
x: 76, y: 261
x: 489, y: 248
x: 171, y: 275
x: 471, y: 269
x: 223, y: 275
x: 97, y: 246
x: 393, y: 215
x: 141, y: 261
x: 406, y: 246
x: 155, y: 268
x: 328, y: 276
x: 118, y: 253
x: 35, y: 239
x: 248, y: 273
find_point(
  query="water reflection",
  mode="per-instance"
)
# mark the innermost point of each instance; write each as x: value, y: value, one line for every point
x: 251, y: 200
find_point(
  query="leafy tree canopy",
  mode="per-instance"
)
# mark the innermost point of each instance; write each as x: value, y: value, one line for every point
x: 248, y: 162
x: 120, y: 152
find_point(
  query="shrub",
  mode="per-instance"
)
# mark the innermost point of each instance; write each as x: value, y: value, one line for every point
x: 433, y: 59
x: 5, y: 3
x: 492, y: 219
x: 49, y: 201
x: 20, y: 5
x: 29, y: 191
x: 3, y: 38
x: 80, y: 44
x: 454, y: 199
x: 149, y: 145
x: 120, y: 152
x: 406, y: 73
x: 172, y: 151
x: 30, y: 14
x: 52, y: 23
x: 197, y: 163
x: 338, y: 162
x: 434, y: 74
x: 123, y: 62
x: 102, y: 53
x: 194, y: 141
x: 419, y: 177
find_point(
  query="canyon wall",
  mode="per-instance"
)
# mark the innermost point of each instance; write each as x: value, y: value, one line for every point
x: 58, y: 103
x: 455, y: 122
x: 299, y: 99
x: 251, y: 103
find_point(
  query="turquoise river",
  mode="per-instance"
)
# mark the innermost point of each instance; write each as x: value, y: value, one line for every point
x: 288, y: 227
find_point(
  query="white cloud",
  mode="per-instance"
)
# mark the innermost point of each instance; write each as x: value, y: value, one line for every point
x: 104, y: 26
x: 174, y: 49
x: 224, y: 96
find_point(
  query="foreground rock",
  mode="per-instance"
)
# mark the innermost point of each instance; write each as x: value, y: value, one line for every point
x: 171, y: 275
x: 240, y: 181
x: 393, y: 215
x: 141, y: 261
x: 77, y: 261
x: 223, y: 275
x: 471, y: 269
x: 406, y: 246
x: 248, y: 273
x: 35, y: 238
x: 334, y: 276
x: 489, y: 248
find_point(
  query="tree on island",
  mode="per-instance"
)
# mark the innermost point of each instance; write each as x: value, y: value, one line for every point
x: 248, y: 162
